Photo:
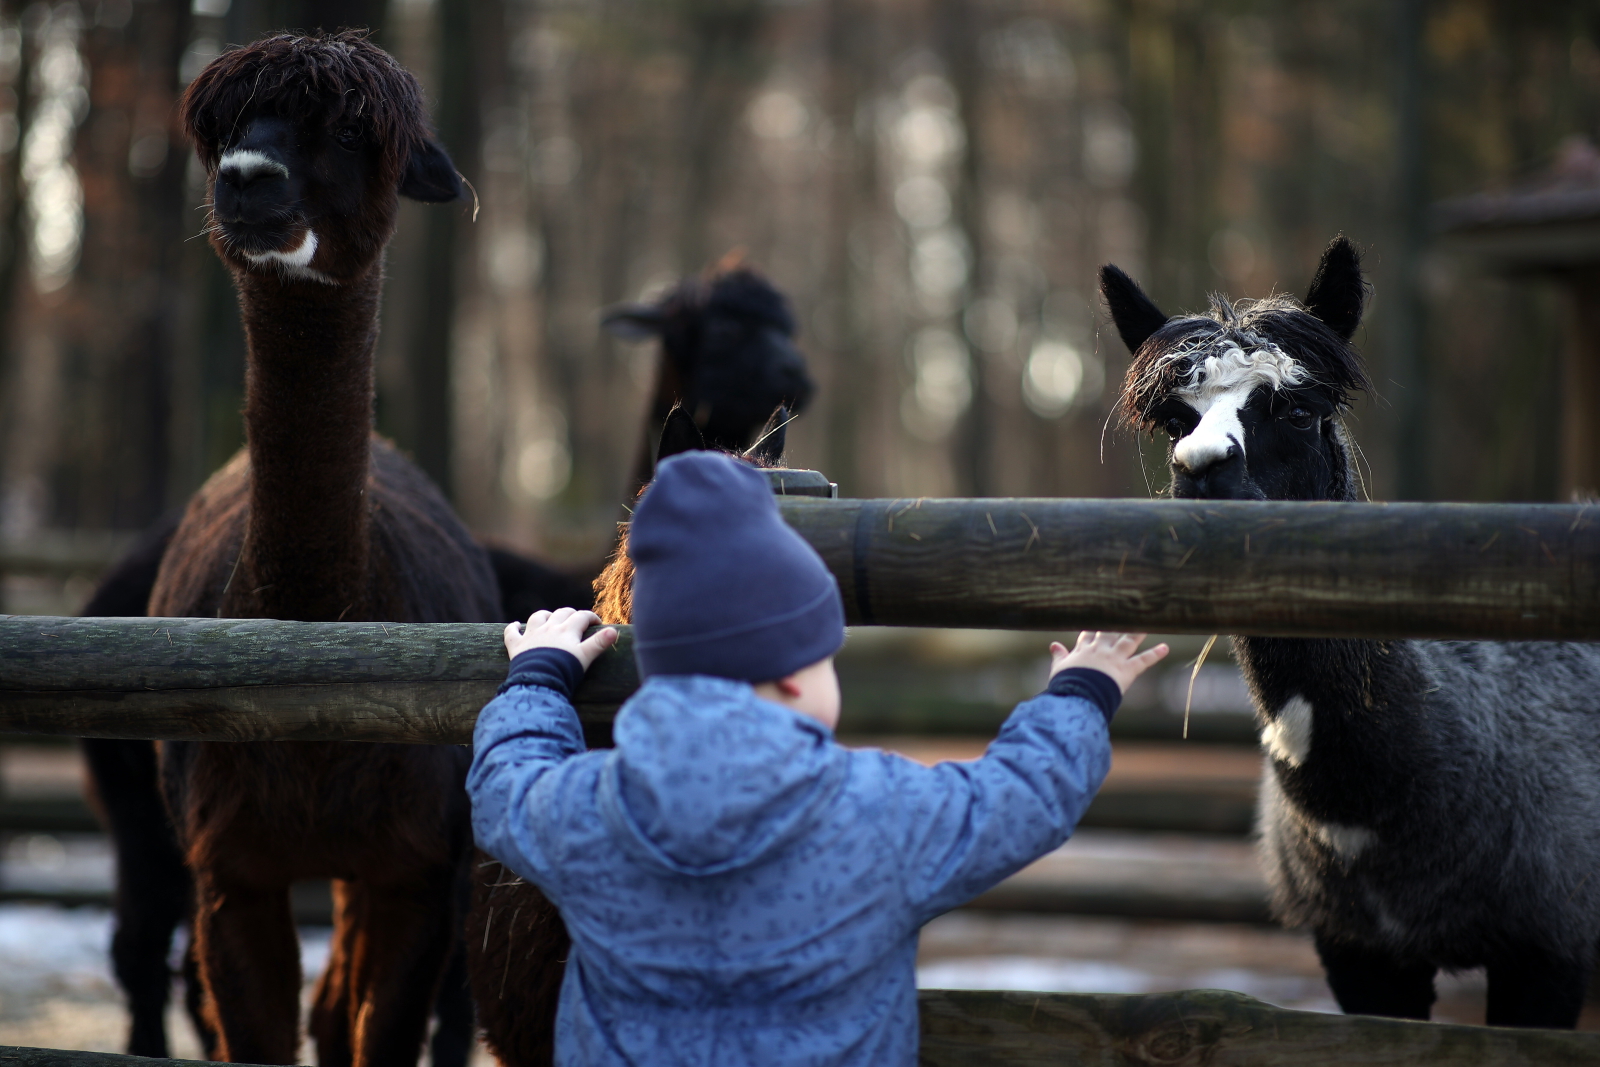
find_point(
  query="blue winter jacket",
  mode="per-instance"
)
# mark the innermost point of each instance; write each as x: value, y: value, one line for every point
x: 741, y: 889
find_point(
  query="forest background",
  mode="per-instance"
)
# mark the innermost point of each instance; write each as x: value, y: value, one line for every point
x: 933, y: 182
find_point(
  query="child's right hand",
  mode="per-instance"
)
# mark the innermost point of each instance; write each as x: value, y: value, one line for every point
x: 563, y: 629
x: 1116, y: 655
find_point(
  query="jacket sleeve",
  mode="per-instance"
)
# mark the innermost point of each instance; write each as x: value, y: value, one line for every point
x: 961, y: 828
x: 525, y: 737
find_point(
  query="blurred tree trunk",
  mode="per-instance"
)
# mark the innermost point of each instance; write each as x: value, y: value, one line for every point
x: 471, y: 53
x: 725, y: 63
x: 959, y: 27
x: 119, y: 316
x: 13, y: 243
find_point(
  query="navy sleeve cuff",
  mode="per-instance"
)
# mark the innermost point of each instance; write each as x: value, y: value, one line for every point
x: 553, y: 668
x: 1097, y: 687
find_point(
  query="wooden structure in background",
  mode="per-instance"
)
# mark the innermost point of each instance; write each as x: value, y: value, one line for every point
x: 1550, y: 227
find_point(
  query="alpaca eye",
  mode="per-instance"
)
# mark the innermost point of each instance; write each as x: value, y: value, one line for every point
x: 347, y: 136
x: 1174, y: 429
x: 1300, y: 418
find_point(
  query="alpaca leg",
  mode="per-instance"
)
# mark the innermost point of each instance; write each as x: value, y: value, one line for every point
x: 147, y: 910
x: 152, y: 884
x: 1537, y: 989
x: 455, y: 1034
x: 250, y: 965
x: 516, y: 951
x: 330, y: 1005
x: 194, y: 1002
x: 399, y: 943
x: 1367, y: 981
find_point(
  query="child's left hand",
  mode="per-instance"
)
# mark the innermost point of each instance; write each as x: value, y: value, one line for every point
x: 563, y: 629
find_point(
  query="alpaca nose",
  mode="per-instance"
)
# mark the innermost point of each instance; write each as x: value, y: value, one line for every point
x: 1209, y: 469
x: 251, y: 186
x: 1199, y: 457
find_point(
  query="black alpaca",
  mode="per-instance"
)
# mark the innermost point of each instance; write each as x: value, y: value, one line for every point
x: 1425, y: 805
x: 728, y: 357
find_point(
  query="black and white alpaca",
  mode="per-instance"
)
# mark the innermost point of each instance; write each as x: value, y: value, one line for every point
x: 1425, y: 805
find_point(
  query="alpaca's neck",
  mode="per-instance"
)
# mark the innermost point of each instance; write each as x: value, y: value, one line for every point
x: 1347, y: 721
x: 308, y: 420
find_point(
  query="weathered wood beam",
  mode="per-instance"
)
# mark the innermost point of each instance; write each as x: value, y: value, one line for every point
x: 1210, y: 1027
x: 977, y: 1028
x: 262, y: 679
x: 1504, y: 571
x: 1451, y: 570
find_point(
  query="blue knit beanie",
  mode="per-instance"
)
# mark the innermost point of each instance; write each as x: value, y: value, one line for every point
x: 721, y: 584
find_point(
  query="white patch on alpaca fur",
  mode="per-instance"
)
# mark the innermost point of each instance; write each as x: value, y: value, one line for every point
x: 1348, y: 842
x: 296, y: 262
x: 1218, y: 386
x: 1287, y: 736
x: 248, y: 162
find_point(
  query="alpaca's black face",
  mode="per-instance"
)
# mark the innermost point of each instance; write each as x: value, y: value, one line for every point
x: 1251, y: 441
x: 729, y: 345
x: 1248, y: 396
x: 306, y: 198
x: 308, y: 141
x: 279, y: 181
x: 745, y: 370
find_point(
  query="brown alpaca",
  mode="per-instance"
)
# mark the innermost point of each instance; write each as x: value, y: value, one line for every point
x: 307, y: 141
x: 516, y: 941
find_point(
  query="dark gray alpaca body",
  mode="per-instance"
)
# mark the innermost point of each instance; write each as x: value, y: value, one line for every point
x: 1425, y: 805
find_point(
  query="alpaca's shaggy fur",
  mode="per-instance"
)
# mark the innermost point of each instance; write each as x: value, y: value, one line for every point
x: 318, y: 520
x: 1425, y: 805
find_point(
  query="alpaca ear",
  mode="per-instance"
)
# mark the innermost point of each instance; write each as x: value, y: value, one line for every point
x: 769, y: 446
x: 430, y: 176
x: 1339, y: 293
x: 680, y: 434
x: 1135, y: 314
x: 632, y: 322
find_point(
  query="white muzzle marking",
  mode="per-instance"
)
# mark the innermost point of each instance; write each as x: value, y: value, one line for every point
x: 296, y: 262
x: 247, y: 162
x: 1218, y: 388
x: 1220, y: 429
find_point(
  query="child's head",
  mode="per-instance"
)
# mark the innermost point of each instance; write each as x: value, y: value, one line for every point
x: 723, y: 586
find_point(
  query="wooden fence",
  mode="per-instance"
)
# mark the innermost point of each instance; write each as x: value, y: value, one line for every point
x: 1398, y: 570
x: 979, y: 1028
x: 1179, y: 566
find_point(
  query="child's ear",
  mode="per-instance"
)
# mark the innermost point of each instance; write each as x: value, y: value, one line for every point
x: 788, y: 687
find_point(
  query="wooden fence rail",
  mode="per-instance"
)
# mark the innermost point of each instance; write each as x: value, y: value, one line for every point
x: 261, y: 679
x: 1444, y: 570
x: 980, y: 1028
x: 1503, y: 571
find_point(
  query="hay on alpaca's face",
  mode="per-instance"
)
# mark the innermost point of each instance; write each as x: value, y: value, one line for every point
x: 1274, y: 342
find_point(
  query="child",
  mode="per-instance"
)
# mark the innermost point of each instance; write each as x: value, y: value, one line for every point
x: 739, y: 888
